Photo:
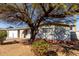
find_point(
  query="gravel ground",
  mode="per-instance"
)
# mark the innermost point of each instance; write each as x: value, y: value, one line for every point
x: 19, y: 49
x: 15, y: 50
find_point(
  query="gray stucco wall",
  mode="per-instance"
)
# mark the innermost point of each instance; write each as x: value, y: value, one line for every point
x: 54, y: 32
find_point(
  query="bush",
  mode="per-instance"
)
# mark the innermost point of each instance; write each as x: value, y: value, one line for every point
x: 40, y: 47
x: 3, y: 35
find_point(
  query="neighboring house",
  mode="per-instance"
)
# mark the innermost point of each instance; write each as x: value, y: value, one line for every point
x: 18, y: 33
x: 14, y: 33
x: 50, y: 31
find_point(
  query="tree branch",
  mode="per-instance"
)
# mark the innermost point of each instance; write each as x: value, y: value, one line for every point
x: 43, y: 8
x: 32, y: 12
x: 25, y: 17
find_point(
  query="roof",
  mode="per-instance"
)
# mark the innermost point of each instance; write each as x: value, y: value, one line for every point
x: 56, y: 24
x: 14, y: 28
x: 46, y: 24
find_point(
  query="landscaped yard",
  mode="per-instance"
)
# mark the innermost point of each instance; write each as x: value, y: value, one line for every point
x: 56, y: 48
x: 39, y: 47
x: 15, y: 50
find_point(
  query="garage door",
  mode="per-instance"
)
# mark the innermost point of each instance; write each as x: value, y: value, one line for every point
x: 13, y: 34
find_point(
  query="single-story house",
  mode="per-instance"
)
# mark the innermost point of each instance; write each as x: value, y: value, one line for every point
x: 14, y: 33
x: 50, y: 31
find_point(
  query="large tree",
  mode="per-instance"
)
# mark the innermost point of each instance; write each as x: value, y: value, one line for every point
x: 35, y: 14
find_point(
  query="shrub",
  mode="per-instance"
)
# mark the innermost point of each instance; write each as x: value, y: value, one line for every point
x: 40, y: 47
x: 3, y: 35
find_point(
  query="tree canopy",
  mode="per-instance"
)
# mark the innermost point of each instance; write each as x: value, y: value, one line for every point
x: 35, y: 14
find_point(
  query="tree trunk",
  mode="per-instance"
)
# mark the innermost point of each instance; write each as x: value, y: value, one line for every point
x: 33, y: 34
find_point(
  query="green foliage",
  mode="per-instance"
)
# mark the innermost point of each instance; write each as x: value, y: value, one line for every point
x: 7, y: 8
x: 40, y: 47
x: 3, y: 35
x: 62, y: 6
x: 74, y: 6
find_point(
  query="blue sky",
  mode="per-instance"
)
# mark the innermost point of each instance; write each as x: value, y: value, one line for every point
x: 5, y: 24
x: 77, y: 23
